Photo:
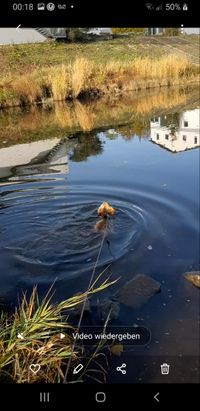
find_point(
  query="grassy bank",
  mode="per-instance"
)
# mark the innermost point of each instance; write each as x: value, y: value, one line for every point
x: 89, y: 78
x: 23, y: 58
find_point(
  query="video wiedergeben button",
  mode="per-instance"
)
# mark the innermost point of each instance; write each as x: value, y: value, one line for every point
x: 90, y: 335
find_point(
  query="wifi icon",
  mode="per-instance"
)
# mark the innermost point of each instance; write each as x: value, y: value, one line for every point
x: 149, y: 6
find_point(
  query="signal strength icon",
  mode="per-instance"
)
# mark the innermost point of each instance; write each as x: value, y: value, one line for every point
x: 149, y: 6
x: 159, y: 7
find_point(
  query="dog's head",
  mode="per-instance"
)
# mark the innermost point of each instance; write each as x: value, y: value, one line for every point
x: 105, y: 210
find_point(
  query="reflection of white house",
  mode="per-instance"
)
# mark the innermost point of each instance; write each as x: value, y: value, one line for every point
x: 184, y: 137
x: 39, y: 157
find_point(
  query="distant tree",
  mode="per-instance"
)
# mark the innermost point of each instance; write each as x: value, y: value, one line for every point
x: 76, y: 33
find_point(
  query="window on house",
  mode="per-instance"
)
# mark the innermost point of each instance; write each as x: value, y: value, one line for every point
x: 166, y: 136
x: 184, y: 138
x: 157, y: 136
x: 185, y: 123
x: 195, y: 140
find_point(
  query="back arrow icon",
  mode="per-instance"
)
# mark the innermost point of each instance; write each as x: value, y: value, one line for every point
x: 17, y: 28
x: 156, y: 397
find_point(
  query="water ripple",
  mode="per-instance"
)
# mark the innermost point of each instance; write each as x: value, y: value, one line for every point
x: 50, y: 229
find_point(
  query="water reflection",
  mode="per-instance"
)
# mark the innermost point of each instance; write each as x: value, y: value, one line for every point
x: 177, y: 132
x: 40, y: 157
x: 89, y: 145
x: 59, y: 120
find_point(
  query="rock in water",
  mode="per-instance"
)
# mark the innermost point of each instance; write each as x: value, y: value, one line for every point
x: 193, y: 277
x: 138, y: 291
x: 77, y: 311
x: 109, y: 308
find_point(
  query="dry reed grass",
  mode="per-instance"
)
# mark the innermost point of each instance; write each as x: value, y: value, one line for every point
x: 81, y: 72
x: 57, y: 80
x: 70, y: 80
x: 27, y: 88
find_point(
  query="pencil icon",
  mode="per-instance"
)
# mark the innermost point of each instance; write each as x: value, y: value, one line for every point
x: 78, y: 369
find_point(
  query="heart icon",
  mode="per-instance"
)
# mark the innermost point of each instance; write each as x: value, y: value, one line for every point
x: 34, y: 368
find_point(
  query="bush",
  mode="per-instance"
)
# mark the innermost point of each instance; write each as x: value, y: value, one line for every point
x: 122, y: 30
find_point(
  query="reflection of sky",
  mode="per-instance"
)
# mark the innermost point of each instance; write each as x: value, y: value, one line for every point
x: 135, y: 162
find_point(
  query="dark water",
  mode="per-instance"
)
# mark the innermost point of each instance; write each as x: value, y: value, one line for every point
x: 47, y: 218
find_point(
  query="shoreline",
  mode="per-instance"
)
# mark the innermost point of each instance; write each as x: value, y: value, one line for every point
x: 95, y: 94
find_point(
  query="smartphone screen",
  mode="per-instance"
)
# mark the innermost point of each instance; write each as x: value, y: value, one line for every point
x: 99, y: 204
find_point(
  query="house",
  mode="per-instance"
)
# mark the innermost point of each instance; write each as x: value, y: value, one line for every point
x: 184, y: 134
x: 155, y: 31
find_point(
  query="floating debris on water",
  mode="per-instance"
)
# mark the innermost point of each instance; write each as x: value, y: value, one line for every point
x: 193, y: 277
